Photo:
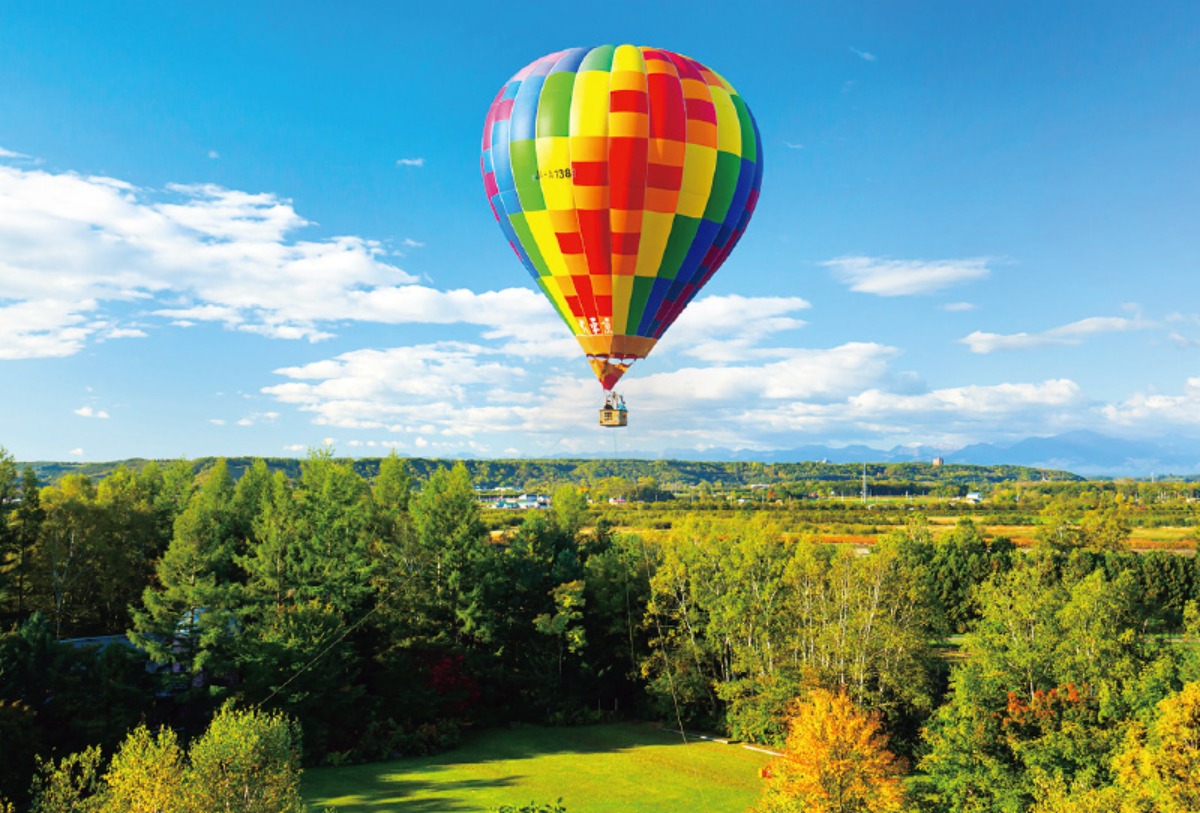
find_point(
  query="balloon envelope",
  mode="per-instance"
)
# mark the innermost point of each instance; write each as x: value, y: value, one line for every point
x: 622, y: 177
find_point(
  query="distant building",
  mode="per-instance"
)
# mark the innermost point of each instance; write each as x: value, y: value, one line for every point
x: 937, y: 461
x: 523, y: 502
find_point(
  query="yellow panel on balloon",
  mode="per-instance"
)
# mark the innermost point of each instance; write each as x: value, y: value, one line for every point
x: 698, y: 170
x: 542, y: 229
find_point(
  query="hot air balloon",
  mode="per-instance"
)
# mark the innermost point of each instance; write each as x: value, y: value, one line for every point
x: 622, y: 177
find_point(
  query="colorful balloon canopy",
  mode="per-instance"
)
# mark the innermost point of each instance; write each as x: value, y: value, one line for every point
x: 622, y: 177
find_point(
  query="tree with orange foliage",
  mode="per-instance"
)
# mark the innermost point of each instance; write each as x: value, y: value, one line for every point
x: 836, y: 760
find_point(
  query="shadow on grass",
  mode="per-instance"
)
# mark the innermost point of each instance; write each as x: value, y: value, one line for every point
x: 474, y: 775
x: 380, y: 791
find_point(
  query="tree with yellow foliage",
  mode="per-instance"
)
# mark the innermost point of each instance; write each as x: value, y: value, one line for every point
x: 836, y: 760
x: 1160, y: 766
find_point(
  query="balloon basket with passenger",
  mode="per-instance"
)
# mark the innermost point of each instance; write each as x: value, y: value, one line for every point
x: 614, y: 412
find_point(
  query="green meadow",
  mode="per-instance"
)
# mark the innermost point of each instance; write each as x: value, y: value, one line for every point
x: 610, y: 768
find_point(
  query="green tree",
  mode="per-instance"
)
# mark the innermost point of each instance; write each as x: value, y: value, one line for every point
x: 189, y: 617
x: 570, y: 508
x: 245, y: 762
x: 1105, y: 528
x: 70, y: 785
x: 565, y: 626
x: 1057, y: 529
x: 1018, y: 630
x: 25, y: 528
x: 146, y: 775
x: 8, y: 541
x: 67, y: 557
x: 450, y: 536
x: 310, y: 578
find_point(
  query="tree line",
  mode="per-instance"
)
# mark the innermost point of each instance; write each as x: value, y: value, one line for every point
x: 534, y: 474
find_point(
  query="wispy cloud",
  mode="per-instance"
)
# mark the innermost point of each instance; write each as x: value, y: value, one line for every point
x: 410, y: 162
x: 257, y: 418
x: 864, y: 55
x: 959, y: 307
x: 793, y: 146
x: 886, y: 277
x: 411, y: 243
x: 10, y: 154
x: 1069, y: 334
x: 214, y: 154
x: 89, y: 412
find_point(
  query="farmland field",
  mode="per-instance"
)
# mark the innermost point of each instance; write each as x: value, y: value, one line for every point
x: 614, y: 768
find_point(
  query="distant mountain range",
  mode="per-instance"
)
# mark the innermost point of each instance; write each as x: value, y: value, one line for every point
x: 1087, y: 453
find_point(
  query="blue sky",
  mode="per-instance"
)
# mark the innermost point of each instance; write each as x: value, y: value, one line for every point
x: 254, y: 228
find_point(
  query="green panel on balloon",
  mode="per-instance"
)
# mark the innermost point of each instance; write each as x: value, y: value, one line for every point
x: 683, y: 232
x: 749, y: 147
x: 637, y: 299
x: 554, y: 105
x: 724, y: 184
x: 598, y: 59
x: 525, y: 170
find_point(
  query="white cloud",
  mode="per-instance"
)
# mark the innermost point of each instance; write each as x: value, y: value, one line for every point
x: 791, y: 145
x: 1069, y: 334
x: 217, y: 421
x: 801, y: 375
x: 88, y: 412
x: 125, y: 333
x: 10, y: 154
x: 884, y: 277
x: 866, y: 56
x: 411, y: 243
x: 952, y: 416
x: 457, y: 396
x: 402, y: 388
x: 958, y: 307
x: 43, y: 328
x: 729, y: 328
x: 213, y: 154
x: 1157, y: 410
x: 72, y: 247
x: 410, y: 162
x: 76, y: 452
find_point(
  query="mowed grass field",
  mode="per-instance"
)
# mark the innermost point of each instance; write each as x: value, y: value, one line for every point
x: 630, y: 767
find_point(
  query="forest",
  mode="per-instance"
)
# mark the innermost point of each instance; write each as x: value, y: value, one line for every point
x: 354, y: 613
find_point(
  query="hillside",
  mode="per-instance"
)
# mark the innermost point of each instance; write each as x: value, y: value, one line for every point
x: 532, y: 474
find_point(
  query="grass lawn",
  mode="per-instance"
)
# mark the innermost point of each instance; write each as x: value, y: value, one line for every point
x: 612, y: 768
